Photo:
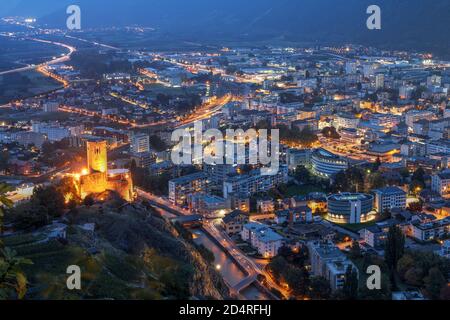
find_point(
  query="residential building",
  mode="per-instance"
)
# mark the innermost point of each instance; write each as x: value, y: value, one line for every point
x: 233, y: 223
x: 327, y: 164
x: 350, y: 207
x: 389, y: 198
x: 440, y: 183
x: 254, y: 182
x: 261, y: 237
x: 431, y: 230
x: 140, y: 143
x: 181, y: 188
x: 329, y: 262
x: 373, y: 236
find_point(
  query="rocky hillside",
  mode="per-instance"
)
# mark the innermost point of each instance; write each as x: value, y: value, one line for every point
x: 132, y: 254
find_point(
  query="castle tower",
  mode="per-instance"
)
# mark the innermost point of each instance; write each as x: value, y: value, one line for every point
x: 97, y: 159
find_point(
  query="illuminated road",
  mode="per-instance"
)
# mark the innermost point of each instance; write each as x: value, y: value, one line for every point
x: 207, y: 110
x: 61, y: 59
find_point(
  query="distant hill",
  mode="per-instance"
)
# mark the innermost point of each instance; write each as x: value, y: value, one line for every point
x: 406, y: 23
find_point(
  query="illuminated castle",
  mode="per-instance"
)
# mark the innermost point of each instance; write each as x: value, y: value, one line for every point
x: 97, y: 178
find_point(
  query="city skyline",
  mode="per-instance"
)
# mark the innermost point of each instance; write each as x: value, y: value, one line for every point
x: 186, y: 160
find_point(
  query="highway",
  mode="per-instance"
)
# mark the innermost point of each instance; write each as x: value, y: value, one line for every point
x: 61, y: 59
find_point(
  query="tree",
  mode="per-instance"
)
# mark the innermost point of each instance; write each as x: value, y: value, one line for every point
x: 434, y: 283
x: 307, y: 137
x: 302, y: 174
x: 404, y: 264
x: 414, y: 277
x: 418, y: 181
x: 415, y: 206
x: 29, y: 216
x: 297, y: 279
x: 49, y: 198
x: 355, y: 250
x: 377, y: 164
x: 331, y: 132
x: 395, y: 247
x: 350, y: 288
x: 445, y: 292
x: 13, y: 283
x: 377, y: 181
x: 320, y: 288
x: 89, y: 201
x: 350, y: 180
x: 4, y: 201
x: 4, y: 161
x: 157, y: 143
x: 277, y: 266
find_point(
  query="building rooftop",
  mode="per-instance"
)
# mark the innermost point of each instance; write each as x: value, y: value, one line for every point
x: 262, y: 232
x: 390, y: 190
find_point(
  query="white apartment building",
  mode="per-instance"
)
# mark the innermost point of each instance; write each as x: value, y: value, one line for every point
x: 347, y: 121
x: 389, y: 198
x: 431, y: 230
x: 416, y: 115
x: 254, y: 182
x: 140, y: 143
x: 262, y: 238
x: 329, y: 262
x: 440, y: 183
x: 53, y: 132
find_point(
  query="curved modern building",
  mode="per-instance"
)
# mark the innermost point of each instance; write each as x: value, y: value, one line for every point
x: 350, y: 207
x: 327, y: 164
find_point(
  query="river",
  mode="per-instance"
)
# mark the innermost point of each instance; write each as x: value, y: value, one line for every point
x: 228, y: 269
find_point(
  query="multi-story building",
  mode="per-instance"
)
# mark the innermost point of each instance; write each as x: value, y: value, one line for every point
x: 25, y: 138
x: 140, y: 143
x: 350, y: 207
x: 51, y: 107
x: 219, y: 172
x: 301, y: 214
x: 416, y: 115
x: 233, y: 223
x: 385, y: 120
x: 374, y: 236
x: 296, y: 157
x: 265, y: 205
x: 440, y: 183
x: 389, y: 198
x: 143, y: 159
x: 379, y: 81
x: 181, y: 188
x: 431, y: 230
x: 254, y: 182
x: 262, y: 238
x: 206, y: 204
x: 405, y: 92
x: 329, y: 262
x: 345, y: 120
x: 438, y: 146
x: 327, y: 164
x: 53, y: 132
